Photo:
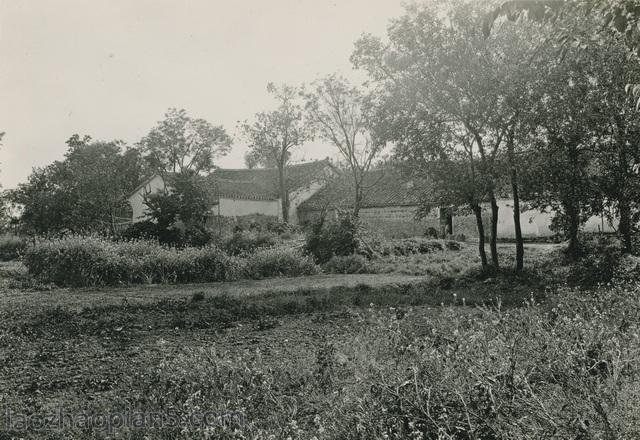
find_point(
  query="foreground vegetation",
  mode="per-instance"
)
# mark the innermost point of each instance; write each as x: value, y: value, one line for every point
x: 447, y: 356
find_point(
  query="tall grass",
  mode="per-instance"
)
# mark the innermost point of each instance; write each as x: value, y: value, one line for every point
x: 91, y: 261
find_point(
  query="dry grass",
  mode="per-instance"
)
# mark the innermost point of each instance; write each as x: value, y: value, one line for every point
x: 326, y: 356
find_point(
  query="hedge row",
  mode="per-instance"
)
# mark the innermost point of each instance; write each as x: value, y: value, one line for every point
x: 82, y: 261
x: 11, y: 247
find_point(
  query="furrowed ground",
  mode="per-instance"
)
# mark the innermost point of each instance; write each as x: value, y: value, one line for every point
x: 428, y: 347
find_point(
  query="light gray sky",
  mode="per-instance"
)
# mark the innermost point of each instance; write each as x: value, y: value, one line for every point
x: 111, y: 68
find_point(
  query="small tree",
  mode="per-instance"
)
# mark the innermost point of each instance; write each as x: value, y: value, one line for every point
x: 342, y: 116
x: 274, y: 135
x: 180, y: 214
x: 183, y: 144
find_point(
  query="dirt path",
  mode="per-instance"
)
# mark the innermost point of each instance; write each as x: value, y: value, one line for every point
x: 79, y: 298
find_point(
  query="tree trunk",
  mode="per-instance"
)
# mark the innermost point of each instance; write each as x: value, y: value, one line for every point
x: 483, y: 254
x: 572, y: 207
x: 573, y: 218
x: 517, y: 226
x: 624, y: 207
x: 624, y: 226
x: 493, y: 243
x: 516, y: 205
x: 357, y: 200
x: 284, y: 194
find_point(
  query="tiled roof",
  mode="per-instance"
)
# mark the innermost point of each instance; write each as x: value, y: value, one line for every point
x: 257, y: 183
x: 383, y: 187
x: 262, y: 183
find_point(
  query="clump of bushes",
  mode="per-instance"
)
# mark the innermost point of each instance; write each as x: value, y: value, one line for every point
x: 340, y: 236
x: 345, y: 236
x: 248, y: 241
x: 278, y: 261
x: 11, y: 247
x: 599, y: 261
x: 414, y: 246
x: 176, y: 234
x: 347, y: 264
x: 91, y: 261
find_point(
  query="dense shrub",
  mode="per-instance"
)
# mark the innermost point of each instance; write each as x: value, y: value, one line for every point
x: 627, y: 269
x: 142, y: 230
x: 278, y: 261
x: 89, y: 261
x: 326, y: 239
x: 247, y: 241
x: 11, y: 247
x: 599, y: 260
x: 413, y: 246
x: 346, y: 264
x: 177, y: 234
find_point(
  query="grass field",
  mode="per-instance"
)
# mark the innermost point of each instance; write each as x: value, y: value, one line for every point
x: 313, y: 357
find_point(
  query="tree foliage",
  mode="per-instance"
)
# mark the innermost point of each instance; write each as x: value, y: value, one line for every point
x: 452, y: 93
x: 180, y: 143
x: 342, y: 116
x: 85, y: 192
x: 579, y: 23
x: 180, y: 213
x: 274, y: 135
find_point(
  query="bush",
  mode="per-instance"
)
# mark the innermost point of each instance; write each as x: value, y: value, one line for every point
x: 627, y: 270
x: 248, y: 241
x: 90, y: 261
x: 600, y: 258
x: 280, y: 261
x: 347, y: 264
x: 144, y: 230
x: 11, y: 247
x: 413, y: 246
x: 335, y: 237
x: 178, y: 234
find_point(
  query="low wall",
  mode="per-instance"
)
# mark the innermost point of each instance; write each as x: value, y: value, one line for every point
x: 400, y: 222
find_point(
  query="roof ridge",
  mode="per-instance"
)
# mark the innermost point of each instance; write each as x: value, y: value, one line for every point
x: 272, y: 169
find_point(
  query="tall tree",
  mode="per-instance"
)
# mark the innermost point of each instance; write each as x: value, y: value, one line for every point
x: 342, y: 116
x: 617, y: 130
x: 180, y: 143
x: 274, y: 136
x: 561, y: 167
x: 84, y: 192
x: 437, y: 63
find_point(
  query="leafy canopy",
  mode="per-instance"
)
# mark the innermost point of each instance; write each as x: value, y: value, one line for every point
x: 180, y: 143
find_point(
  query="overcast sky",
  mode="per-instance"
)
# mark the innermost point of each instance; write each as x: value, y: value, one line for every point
x: 111, y: 68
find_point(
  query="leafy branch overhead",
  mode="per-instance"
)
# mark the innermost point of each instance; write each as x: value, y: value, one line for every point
x: 579, y: 23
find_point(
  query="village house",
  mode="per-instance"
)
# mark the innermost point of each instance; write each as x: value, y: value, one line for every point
x: 391, y: 202
x: 245, y: 192
x: 389, y: 205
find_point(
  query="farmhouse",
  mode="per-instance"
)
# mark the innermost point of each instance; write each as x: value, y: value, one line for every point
x: 243, y: 192
x: 389, y: 205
